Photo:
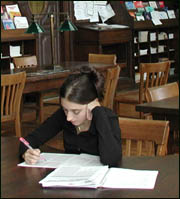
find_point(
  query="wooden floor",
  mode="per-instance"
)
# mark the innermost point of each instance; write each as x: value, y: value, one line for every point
x: 29, y: 124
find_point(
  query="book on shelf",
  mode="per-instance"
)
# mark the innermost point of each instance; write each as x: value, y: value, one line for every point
x: 161, y: 4
x: 100, y: 177
x: 143, y: 36
x: 140, y: 9
x: 132, y: 14
x: 163, y: 15
x: 149, y: 9
x: 171, y: 14
x: 138, y: 4
x: 8, y: 24
x: 153, y: 4
x: 139, y: 16
x: 147, y: 15
x: 145, y: 3
x: 21, y: 22
x: 4, y: 14
x: 130, y: 5
x: 13, y: 10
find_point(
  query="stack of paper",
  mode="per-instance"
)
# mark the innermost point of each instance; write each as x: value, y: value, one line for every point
x: 86, y: 171
x: 100, y: 177
x: 68, y: 176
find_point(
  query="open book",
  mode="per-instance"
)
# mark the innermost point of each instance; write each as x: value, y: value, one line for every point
x: 100, y: 177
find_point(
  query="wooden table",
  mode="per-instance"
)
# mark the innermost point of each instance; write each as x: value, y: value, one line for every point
x: 43, y: 78
x: 19, y: 182
x: 48, y: 77
x: 166, y: 109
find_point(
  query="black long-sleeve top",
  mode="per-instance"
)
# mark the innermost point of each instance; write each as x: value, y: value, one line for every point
x: 103, y: 137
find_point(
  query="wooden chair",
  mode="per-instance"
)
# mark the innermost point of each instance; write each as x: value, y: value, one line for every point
x: 25, y: 61
x: 29, y: 62
x: 112, y: 76
x: 110, y: 85
x: 151, y: 74
x: 11, y: 93
x: 144, y: 137
x: 102, y: 58
x: 162, y: 92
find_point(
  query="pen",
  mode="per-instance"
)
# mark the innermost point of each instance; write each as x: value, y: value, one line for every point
x: 26, y: 143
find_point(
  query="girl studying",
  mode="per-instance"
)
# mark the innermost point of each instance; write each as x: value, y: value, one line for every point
x: 87, y: 126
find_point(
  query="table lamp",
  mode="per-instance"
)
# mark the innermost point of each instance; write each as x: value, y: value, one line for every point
x: 66, y: 25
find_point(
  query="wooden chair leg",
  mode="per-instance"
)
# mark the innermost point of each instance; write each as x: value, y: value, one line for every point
x: 18, y: 125
x: 39, y: 112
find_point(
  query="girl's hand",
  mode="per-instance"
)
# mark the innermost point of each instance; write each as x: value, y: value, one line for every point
x: 90, y: 107
x: 31, y: 156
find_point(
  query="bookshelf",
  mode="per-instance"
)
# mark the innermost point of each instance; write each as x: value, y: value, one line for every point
x: 25, y: 43
x: 91, y: 39
x: 151, y: 43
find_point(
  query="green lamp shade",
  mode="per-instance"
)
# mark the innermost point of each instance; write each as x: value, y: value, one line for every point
x: 35, y: 28
x: 67, y: 26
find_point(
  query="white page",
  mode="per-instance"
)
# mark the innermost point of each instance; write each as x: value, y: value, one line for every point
x: 163, y: 15
x: 105, y: 12
x: 80, y: 10
x: 130, y: 179
x: 21, y: 22
x: 90, y: 8
x: 53, y: 160
x: 153, y: 4
x: 156, y: 21
x: 76, y: 176
x: 171, y: 14
x: 84, y: 160
x: 95, y: 16
x: 155, y: 15
x: 15, y: 51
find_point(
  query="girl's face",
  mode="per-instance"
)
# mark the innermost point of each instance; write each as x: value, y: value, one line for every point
x: 75, y: 113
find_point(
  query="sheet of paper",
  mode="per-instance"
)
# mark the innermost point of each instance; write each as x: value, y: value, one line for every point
x: 95, y: 16
x: 54, y: 160
x: 105, y: 12
x: 80, y: 10
x: 156, y: 22
x: 171, y: 14
x: 21, y: 22
x: 15, y: 51
x: 76, y: 176
x: 129, y: 178
x: 83, y: 160
x: 163, y: 15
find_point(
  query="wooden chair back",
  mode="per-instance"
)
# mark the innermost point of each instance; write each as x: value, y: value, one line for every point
x: 162, y: 92
x: 146, y: 135
x: 102, y: 58
x: 151, y: 75
x: 110, y: 85
x: 25, y: 62
x: 12, y: 86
